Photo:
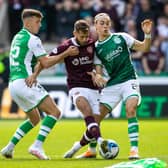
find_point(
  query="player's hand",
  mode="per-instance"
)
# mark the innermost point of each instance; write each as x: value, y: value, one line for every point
x: 72, y: 51
x: 100, y: 81
x: 147, y: 26
x: 93, y: 75
x: 31, y: 80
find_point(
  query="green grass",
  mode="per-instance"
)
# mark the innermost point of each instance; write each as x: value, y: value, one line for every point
x: 153, y: 143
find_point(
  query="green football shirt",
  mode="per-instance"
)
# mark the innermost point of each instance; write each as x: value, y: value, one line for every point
x: 25, y: 49
x: 114, y: 55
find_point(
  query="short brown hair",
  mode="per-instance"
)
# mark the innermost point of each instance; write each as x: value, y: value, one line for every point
x: 31, y: 12
x: 81, y: 25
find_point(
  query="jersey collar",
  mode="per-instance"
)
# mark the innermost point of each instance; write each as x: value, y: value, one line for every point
x: 102, y: 42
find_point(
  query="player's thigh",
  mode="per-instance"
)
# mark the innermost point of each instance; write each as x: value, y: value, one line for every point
x: 27, y: 98
x: 131, y: 90
x: 111, y: 96
x: 94, y: 100
x: 81, y: 98
x: 49, y: 106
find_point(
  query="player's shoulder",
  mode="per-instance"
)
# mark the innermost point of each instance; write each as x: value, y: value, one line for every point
x: 120, y: 34
x: 67, y: 42
x: 34, y: 40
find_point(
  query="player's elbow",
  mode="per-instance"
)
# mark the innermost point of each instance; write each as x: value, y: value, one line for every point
x: 44, y: 62
x: 45, y: 65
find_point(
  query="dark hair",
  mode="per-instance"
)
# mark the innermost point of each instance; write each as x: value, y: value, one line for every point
x: 81, y: 25
x: 31, y: 12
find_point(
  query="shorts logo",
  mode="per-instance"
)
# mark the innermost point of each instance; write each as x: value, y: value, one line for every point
x: 134, y: 86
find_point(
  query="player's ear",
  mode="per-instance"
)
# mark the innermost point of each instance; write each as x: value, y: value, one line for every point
x: 74, y: 33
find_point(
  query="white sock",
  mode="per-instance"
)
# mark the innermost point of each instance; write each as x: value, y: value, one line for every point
x: 99, y: 140
x: 93, y: 150
x: 134, y: 148
x: 10, y: 145
x: 38, y: 143
x: 76, y: 146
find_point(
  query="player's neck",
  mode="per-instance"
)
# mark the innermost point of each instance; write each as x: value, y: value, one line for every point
x: 103, y: 37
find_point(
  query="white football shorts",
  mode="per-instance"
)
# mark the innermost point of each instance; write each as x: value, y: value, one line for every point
x: 112, y: 95
x: 90, y: 94
x: 25, y: 97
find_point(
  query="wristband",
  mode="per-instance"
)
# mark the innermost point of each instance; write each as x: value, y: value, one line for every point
x: 148, y: 36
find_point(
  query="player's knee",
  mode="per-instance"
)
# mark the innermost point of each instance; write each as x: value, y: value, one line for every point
x: 56, y: 113
x: 35, y: 121
x: 131, y: 111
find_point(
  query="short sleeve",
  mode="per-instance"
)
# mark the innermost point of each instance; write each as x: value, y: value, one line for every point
x: 97, y: 61
x: 59, y: 49
x: 128, y: 39
x: 36, y: 47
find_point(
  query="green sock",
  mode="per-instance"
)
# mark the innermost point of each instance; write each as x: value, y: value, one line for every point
x: 22, y: 130
x: 133, y: 131
x: 93, y: 144
x: 46, y: 126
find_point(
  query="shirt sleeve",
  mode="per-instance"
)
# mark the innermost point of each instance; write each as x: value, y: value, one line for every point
x: 96, y: 60
x: 128, y: 39
x: 59, y: 49
x: 36, y: 47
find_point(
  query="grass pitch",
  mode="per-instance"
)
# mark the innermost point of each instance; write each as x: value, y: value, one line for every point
x: 153, y: 143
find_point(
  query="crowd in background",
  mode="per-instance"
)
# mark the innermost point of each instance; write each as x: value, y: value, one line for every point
x: 126, y: 15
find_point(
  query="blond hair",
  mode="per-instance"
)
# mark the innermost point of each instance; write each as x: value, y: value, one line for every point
x: 100, y: 15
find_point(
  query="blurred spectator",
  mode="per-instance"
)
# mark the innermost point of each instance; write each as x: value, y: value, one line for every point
x: 145, y: 12
x: 120, y: 7
x: 137, y: 62
x: 135, y: 7
x: 108, y: 8
x: 162, y: 29
x: 130, y: 28
x: 4, y: 65
x: 4, y: 32
x: 15, y: 9
x: 128, y: 16
x: 66, y: 15
x: 153, y: 61
x: 43, y: 7
x: 86, y: 9
x: 51, y: 21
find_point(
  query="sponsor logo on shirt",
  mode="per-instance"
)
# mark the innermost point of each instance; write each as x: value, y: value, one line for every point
x: 113, y: 54
x: 81, y: 61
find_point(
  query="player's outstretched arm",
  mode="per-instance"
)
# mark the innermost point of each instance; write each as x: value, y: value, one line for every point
x: 144, y: 45
x: 47, y: 61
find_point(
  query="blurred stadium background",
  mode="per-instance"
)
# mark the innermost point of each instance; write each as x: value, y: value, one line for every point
x: 57, y: 25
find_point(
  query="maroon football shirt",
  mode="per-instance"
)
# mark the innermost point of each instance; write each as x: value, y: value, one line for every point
x: 78, y: 66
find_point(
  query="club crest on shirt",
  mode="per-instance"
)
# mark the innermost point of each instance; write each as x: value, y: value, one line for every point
x: 117, y: 40
x: 89, y: 49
